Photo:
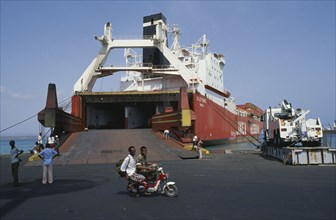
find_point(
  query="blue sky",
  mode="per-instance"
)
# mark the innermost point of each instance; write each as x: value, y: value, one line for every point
x: 274, y: 50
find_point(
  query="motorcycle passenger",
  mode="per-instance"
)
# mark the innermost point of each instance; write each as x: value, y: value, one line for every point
x: 144, y: 167
x: 129, y: 166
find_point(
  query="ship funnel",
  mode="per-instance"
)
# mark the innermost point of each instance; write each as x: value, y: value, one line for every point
x: 155, y: 26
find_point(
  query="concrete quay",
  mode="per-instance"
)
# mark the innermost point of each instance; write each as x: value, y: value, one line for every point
x: 240, y: 185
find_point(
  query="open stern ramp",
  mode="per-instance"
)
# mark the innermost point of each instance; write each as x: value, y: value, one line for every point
x: 109, y: 146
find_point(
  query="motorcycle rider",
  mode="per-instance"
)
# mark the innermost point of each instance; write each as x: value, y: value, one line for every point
x: 129, y: 166
x: 144, y: 167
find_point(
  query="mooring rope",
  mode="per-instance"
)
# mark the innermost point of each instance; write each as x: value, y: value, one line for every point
x: 18, y: 123
x: 29, y: 118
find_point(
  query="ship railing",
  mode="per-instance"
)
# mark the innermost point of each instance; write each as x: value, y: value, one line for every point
x: 132, y: 37
x: 163, y: 67
x: 167, y: 67
x: 153, y: 66
x: 142, y: 65
x: 131, y: 65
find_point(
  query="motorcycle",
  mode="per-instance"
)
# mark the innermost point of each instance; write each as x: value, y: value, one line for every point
x: 159, y: 185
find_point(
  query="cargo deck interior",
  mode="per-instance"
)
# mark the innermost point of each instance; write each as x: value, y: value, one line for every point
x: 125, y: 110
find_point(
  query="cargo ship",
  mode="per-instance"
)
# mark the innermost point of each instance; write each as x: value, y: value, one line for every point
x: 163, y: 87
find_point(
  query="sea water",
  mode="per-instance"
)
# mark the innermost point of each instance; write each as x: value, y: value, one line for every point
x: 25, y: 143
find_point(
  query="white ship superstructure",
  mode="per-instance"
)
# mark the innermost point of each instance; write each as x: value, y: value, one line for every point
x: 161, y: 67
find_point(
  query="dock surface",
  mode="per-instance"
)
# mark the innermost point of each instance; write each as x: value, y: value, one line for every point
x: 240, y: 185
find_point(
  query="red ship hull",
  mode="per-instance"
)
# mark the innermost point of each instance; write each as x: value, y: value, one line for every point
x: 212, y: 123
x: 215, y: 124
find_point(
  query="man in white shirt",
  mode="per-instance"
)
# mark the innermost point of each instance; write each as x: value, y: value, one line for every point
x: 15, y: 162
x: 166, y: 134
x: 129, y: 166
x: 39, y: 138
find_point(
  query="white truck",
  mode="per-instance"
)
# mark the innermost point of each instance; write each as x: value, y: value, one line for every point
x: 285, y: 126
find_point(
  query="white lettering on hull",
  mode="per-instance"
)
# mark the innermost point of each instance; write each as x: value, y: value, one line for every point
x: 201, y: 101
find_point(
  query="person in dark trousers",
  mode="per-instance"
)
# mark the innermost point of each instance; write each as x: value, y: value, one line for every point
x: 15, y: 162
x: 57, y: 145
x: 166, y: 134
x: 199, y: 149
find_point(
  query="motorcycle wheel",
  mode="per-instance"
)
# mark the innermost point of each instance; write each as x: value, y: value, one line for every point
x: 171, y: 190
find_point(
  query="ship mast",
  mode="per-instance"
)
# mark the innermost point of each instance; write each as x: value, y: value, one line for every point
x: 176, y: 37
x: 201, y: 44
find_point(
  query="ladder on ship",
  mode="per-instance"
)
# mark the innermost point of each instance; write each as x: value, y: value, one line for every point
x: 238, y: 128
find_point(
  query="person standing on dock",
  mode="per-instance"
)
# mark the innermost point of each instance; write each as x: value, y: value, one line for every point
x: 199, y: 149
x: 57, y: 144
x: 195, y: 140
x: 39, y: 138
x: 47, y: 155
x: 40, y: 141
x: 15, y: 162
x: 51, y: 141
